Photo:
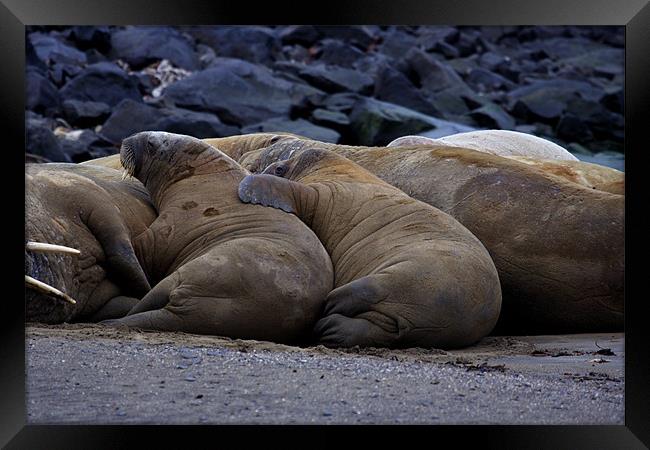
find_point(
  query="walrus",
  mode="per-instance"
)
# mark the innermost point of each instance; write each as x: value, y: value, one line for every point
x: 497, y: 142
x: 558, y: 246
x: 406, y: 274
x: 222, y: 267
x: 91, y: 216
x: 541, y: 153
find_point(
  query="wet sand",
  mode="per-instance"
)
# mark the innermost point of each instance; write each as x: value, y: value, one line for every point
x: 89, y: 374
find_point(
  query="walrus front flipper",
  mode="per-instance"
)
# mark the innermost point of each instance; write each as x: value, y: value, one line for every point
x: 114, y: 308
x: 157, y: 297
x: 280, y: 193
x: 121, y: 262
x: 354, y: 298
x: 158, y: 319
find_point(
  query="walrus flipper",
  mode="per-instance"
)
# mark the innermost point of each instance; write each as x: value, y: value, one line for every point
x: 121, y: 262
x: 277, y: 192
x: 337, y: 330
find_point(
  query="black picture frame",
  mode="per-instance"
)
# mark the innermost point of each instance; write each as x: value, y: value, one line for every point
x: 16, y: 14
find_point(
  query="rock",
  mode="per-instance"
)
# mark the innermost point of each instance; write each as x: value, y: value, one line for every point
x: 448, y: 50
x: 251, y: 43
x: 300, y: 127
x: 563, y: 47
x: 337, y: 53
x: 393, y: 87
x: 336, y: 79
x: 238, y: 92
x: 573, y: 129
x: 41, y: 141
x: 85, y: 114
x: 141, y: 46
x: 82, y: 145
x: 342, y: 102
x: 32, y: 59
x: 603, y: 62
x: 305, y: 35
x: 433, y: 75
x: 431, y: 36
x: 41, y: 95
x: 51, y: 50
x: 374, y: 122
x: 614, y: 100
x: 102, y: 82
x: 359, y: 36
x: 604, y: 124
x: 330, y: 119
x: 130, y: 117
x: 396, y: 43
x: 483, y: 80
x: 493, y: 117
x: 609, y: 159
x: 91, y: 37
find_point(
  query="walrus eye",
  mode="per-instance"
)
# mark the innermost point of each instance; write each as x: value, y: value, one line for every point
x: 280, y: 170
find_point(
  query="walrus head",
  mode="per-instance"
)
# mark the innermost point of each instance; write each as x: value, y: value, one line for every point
x: 159, y: 159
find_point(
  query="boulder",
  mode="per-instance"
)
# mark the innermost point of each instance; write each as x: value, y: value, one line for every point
x: 143, y: 45
x: 336, y: 79
x: 85, y: 114
x: 251, y: 43
x: 82, y: 145
x: 393, y: 87
x: 50, y: 50
x: 337, y: 53
x: 41, y: 141
x: 305, y: 35
x: 102, y: 82
x: 40, y: 94
x: 89, y: 37
x: 238, y: 92
x: 300, y: 127
x: 493, y: 117
x: 396, y: 42
x: 130, y: 117
x: 484, y: 80
x: 374, y: 122
x: 357, y: 35
x: 433, y: 75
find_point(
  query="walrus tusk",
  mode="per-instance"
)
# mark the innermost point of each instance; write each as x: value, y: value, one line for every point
x: 47, y: 289
x: 50, y: 248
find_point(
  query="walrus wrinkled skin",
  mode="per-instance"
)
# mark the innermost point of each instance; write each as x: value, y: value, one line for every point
x: 558, y: 246
x: 88, y: 208
x: 406, y: 274
x: 541, y: 153
x: 224, y: 267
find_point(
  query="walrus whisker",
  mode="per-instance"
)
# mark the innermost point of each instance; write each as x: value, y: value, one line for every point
x: 47, y: 289
x: 50, y: 248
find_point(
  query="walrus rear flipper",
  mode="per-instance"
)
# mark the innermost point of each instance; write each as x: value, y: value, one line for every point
x: 158, y: 319
x: 158, y: 297
x: 337, y: 330
x: 280, y: 193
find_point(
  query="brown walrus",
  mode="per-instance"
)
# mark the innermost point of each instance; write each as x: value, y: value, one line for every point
x: 95, y: 215
x: 225, y: 267
x: 406, y: 274
x: 558, y: 246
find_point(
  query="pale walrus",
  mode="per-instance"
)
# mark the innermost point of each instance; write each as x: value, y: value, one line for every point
x: 225, y: 268
x: 541, y: 153
x: 406, y: 274
x: 558, y: 246
x: 92, y: 216
x: 497, y: 142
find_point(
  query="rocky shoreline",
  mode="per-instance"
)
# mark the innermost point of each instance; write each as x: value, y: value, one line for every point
x: 89, y: 87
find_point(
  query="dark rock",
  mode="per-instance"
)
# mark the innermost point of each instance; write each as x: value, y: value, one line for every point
x: 295, y: 53
x: 448, y: 50
x: 492, y: 116
x: 483, y: 80
x: 563, y: 47
x: 42, y: 142
x: 85, y: 114
x: 102, y: 82
x: 331, y: 119
x: 359, y: 36
x: 396, y: 43
x: 337, y: 53
x: 300, y: 127
x: 41, y: 95
x: 430, y: 36
x: 468, y: 43
x: 130, y: 117
x: 94, y: 56
x: 373, y: 63
x: 342, y: 102
x: 374, y: 122
x: 393, y: 87
x: 573, y: 129
x: 604, y: 62
x: 239, y: 92
x: 32, y: 59
x: 336, y: 79
x: 82, y: 145
x: 305, y: 35
x: 251, y: 43
x: 433, y: 75
x: 614, y: 100
x: 493, y: 61
x: 91, y: 37
x: 143, y: 45
x: 52, y: 50
x: 604, y: 124
x: 61, y: 73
